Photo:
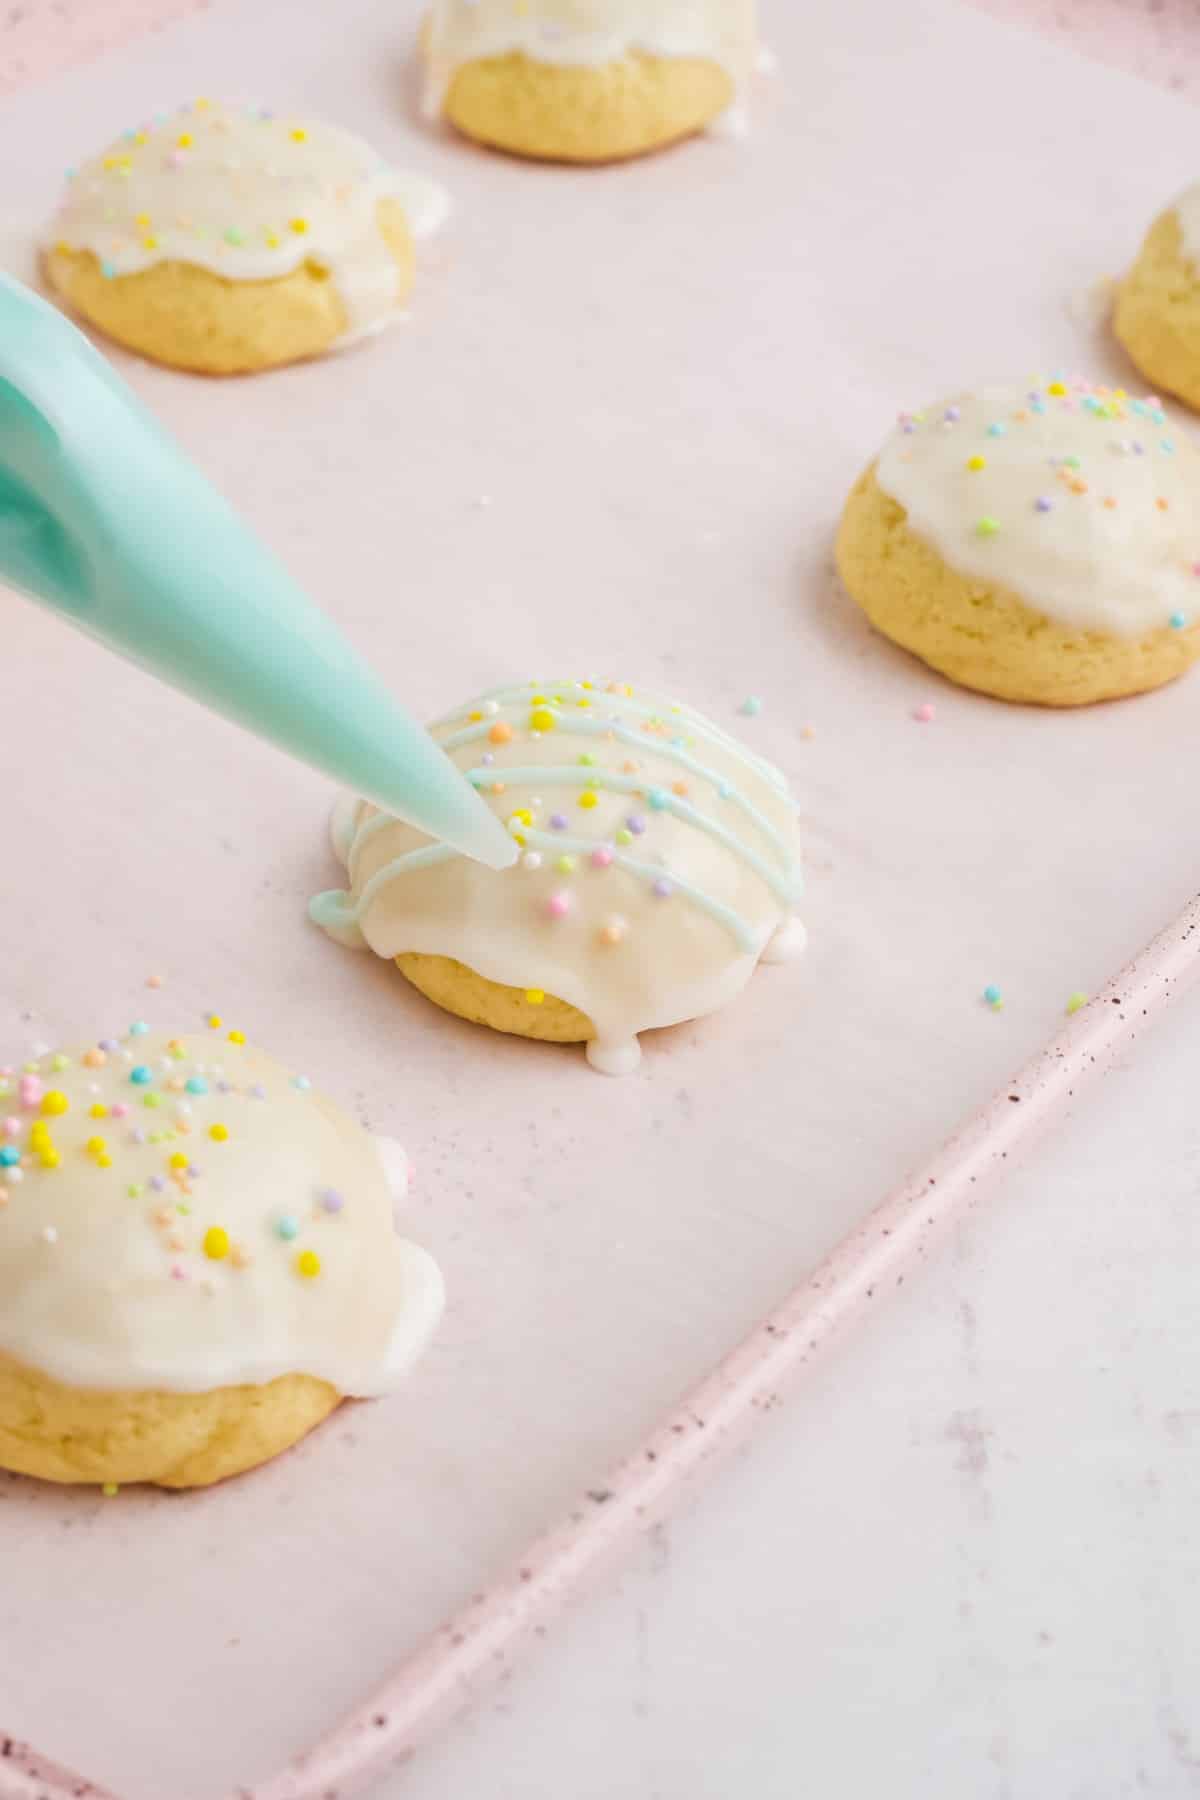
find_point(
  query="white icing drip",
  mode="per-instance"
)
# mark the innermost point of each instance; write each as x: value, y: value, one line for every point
x: 125, y: 1296
x: 250, y: 196
x: 667, y: 908
x: 587, y: 33
x: 1087, y: 504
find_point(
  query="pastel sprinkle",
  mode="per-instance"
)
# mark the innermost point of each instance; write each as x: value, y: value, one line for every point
x: 601, y: 857
x: 987, y: 526
x: 500, y: 732
x: 302, y: 1083
x: 1177, y: 621
x: 531, y: 860
x: 219, y: 1133
x: 54, y: 1103
x: 558, y: 821
x: 216, y: 1243
x: 657, y: 800
x: 10, y: 1156
x: 588, y: 800
x: 535, y: 996
x: 1075, y: 1001
x: 287, y: 1228
x: 1044, y: 503
x: 542, y: 719
x: 196, y: 1084
x: 992, y: 995
x: 925, y: 713
x: 751, y: 707
x: 308, y: 1264
x: 332, y: 1201
x: 636, y: 824
x: 139, y: 1028
x: 141, y: 1076
x: 975, y: 463
x: 612, y: 932
x: 662, y: 889
x: 565, y: 865
x: 558, y: 905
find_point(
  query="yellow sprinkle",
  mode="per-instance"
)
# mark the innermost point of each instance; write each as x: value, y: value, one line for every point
x: 299, y: 226
x: 219, y: 1132
x: 142, y: 219
x: 39, y: 1132
x: 214, y: 1021
x: 1056, y: 387
x: 535, y: 996
x: 98, y: 1110
x: 49, y: 1157
x: 216, y: 1243
x: 538, y: 700
x: 583, y: 703
x: 178, y: 1160
x: 201, y: 105
x: 237, y: 1037
x: 542, y: 719
x: 272, y: 238
x: 104, y: 1160
x: 149, y: 242
x: 523, y: 815
x: 588, y: 800
x: 95, y: 1146
x: 55, y: 1102
x: 977, y: 462
x: 184, y: 140
x: 110, y: 1490
x: 474, y: 718
x: 308, y: 1264
x: 298, y: 134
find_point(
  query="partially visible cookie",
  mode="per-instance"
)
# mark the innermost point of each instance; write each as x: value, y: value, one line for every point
x: 1157, y: 313
x: 198, y: 1260
x: 1038, y: 543
x: 586, y: 80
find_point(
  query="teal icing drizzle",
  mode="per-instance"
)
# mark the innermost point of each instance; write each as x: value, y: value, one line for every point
x: 342, y: 912
x: 599, y: 728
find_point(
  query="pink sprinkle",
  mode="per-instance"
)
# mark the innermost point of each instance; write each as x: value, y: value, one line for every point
x: 925, y: 713
x: 601, y: 856
x: 1196, y: 568
x: 154, y: 981
x: 119, y: 1110
x: 30, y: 1090
x: 558, y: 905
x: 12, y: 1127
x: 178, y: 1272
x: 175, y: 159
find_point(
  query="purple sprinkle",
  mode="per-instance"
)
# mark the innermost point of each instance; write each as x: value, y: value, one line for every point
x: 158, y: 1183
x: 663, y: 889
x: 258, y: 1091
x: 1139, y: 449
x: 138, y: 1137
x: 193, y: 1171
x: 1043, y: 503
x: 222, y: 1087
x: 636, y: 824
x: 109, y: 1044
x: 952, y: 414
x: 488, y: 758
x: 332, y: 1201
x: 558, y: 821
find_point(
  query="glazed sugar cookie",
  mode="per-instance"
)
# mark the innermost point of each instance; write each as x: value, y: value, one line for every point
x: 198, y: 1259
x: 1039, y: 544
x: 229, y: 239
x: 659, y: 865
x: 1157, y: 315
x: 587, y: 80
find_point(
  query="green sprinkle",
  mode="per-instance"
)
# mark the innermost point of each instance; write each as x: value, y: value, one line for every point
x: 588, y: 760
x: 1074, y: 1002
x: 987, y: 526
x: 152, y: 1100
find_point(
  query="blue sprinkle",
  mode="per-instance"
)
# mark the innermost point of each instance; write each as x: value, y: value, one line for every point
x: 302, y: 1082
x: 725, y: 790
x: 991, y: 994
x: 287, y: 1228
x: 10, y: 1156
x: 1037, y: 404
x: 751, y: 706
x: 108, y: 270
x: 139, y: 1028
x: 141, y: 1076
x: 1168, y: 446
x: 996, y: 430
x: 657, y: 800
x: 197, y: 1085
x: 1177, y: 621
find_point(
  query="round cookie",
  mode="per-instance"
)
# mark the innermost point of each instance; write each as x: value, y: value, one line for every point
x: 587, y: 80
x: 1157, y: 313
x: 229, y: 239
x: 198, y: 1260
x: 659, y: 865
x: 1039, y: 544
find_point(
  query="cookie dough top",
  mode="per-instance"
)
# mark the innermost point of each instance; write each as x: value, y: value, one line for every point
x: 659, y: 860
x: 248, y: 194
x: 583, y: 32
x: 184, y: 1213
x: 1079, y: 499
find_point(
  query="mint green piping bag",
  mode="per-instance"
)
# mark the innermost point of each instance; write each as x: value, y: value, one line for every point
x: 103, y: 519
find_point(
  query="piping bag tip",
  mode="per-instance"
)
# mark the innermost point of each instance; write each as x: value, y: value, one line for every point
x: 103, y: 519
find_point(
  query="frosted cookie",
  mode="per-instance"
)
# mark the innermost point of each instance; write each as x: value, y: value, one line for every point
x: 1157, y: 316
x: 228, y: 239
x: 1039, y: 544
x: 587, y: 80
x: 198, y: 1260
x: 659, y: 865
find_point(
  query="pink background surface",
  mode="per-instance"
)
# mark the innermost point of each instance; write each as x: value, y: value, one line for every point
x: 882, y: 1035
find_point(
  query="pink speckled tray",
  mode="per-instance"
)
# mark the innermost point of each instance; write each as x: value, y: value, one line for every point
x: 664, y: 377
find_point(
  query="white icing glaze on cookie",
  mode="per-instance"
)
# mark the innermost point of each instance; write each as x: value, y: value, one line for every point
x: 1079, y: 499
x: 249, y: 195
x: 587, y: 33
x: 659, y: 860
x: 157, y: 1231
